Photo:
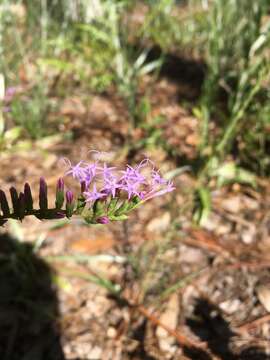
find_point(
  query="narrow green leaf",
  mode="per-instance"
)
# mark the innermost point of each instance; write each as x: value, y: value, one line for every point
x: 118, y: 218
x: 98, y: 208
x: 112, y: 205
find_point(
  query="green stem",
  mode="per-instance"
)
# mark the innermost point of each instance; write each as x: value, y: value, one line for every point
x: 40, y: 214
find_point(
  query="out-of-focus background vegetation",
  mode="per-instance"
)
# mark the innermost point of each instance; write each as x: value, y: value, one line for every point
x: 184, y: 82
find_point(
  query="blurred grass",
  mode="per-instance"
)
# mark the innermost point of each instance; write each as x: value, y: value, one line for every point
x: 49, y: 49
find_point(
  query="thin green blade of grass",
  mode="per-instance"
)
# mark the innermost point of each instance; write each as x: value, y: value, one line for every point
x: 181, y: 283
x: 87, y: 258
x: 99, y: 280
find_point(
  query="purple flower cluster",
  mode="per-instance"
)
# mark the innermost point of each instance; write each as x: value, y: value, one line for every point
x: 100, y: 181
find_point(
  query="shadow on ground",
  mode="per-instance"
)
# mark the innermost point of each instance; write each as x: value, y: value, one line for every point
x: 29, y: 314
x: 210, y: 327
x: 28, y: 305
x: 189, y: 74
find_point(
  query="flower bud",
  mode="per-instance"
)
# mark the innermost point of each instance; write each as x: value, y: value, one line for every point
x: 28, y: 197
x: 59, y: 193
x: 15, y: 200
x: 4, y: 203
x: 69, y: 197
x: 22, y: 205
x: 103, y: 220
x: 70, y: 203
x: 43, y: 194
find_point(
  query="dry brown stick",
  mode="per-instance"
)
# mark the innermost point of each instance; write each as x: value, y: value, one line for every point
x: 206, y: 241
x: 179, y: 337
x: 252, y: 324
x: 182, y: 340
x: 250, y: 265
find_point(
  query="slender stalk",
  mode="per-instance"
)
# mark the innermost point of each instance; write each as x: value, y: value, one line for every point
x: 37, y: 213
x: 237, y: 116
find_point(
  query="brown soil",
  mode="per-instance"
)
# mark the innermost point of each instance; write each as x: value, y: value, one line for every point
x: 193, y: 293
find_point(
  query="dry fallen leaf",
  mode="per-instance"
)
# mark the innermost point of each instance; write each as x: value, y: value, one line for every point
x: 93, y: 245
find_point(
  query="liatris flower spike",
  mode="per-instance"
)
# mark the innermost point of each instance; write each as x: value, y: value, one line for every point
x: 106, y: 193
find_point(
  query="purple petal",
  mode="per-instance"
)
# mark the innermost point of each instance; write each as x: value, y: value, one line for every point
x: 69, y: 196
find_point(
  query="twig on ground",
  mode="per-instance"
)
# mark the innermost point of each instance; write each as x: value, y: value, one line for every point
x: 206, y: 241
x: 252, y: 324
x: 182, y: 339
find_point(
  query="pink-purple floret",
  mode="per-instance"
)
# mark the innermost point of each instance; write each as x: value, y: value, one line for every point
x: 101, y: 181
x: 69, y: 196
x: 103, y: 220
